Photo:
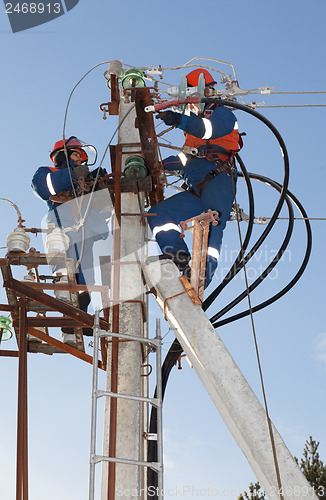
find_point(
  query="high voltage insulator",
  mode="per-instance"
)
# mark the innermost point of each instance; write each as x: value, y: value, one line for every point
x: 5, y: 330
x: 115, y: 67
x: 57, y: 241
x: 18, y: 240
x: 135, y: 166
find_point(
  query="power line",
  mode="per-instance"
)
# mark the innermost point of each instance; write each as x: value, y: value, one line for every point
x: 292, y: 106
x: 301, y: 92
x: 297, y: 218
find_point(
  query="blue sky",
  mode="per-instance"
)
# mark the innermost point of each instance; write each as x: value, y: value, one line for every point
x: 278, y: 44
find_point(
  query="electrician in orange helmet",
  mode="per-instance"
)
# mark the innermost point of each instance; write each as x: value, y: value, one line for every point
x: 211, y: 141
x: 55, y: 185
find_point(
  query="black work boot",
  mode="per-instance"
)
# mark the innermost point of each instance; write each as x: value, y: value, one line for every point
x: 84, y: 299
x: 181, y: 259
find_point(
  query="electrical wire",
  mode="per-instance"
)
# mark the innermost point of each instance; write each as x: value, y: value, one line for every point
x: 291, y: 106
x: 299, y: 218
x: 78, y: 202
x: 270, y: 267
x: 176, y: 349
x: 188, y: 64
x: 235, y: 268
x: 15, y: 207
x: 64, y: 129
x: 83, y: 217
x: 269, y: 423
x: 301, y: 269
x: 209, y: 300
x: 101, y: 162
x: 73, y: 90
x: 301, y: 92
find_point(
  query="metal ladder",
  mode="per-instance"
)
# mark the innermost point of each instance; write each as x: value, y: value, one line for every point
x: 156, y: 345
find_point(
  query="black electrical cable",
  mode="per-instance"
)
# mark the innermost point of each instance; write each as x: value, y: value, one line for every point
x: 176, y: 349
x: 272, y: 264
x: 238, y: 263
x: 210, y: 299
x: 301, y: 269
x: 170, y: 360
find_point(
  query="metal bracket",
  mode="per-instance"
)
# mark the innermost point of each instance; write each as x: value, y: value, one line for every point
x: 245, y: 217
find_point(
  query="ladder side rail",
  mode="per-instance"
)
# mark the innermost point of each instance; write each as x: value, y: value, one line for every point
x: 96, y: 394
x: 92, y: 462
x: 159, y: 395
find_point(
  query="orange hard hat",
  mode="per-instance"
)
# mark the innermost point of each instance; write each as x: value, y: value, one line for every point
x: 193, y: 77
x: 71, y: 144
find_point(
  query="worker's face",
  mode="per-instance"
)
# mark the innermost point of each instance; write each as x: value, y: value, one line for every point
x: 76, y: 158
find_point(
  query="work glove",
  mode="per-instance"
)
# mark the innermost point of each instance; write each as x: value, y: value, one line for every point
x: 170, y: 117
x: 98, y: 173
x: 81, y: 171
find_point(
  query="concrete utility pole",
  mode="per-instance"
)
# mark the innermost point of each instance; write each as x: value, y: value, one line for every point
x: 227, y: 387
x: 123, y: 426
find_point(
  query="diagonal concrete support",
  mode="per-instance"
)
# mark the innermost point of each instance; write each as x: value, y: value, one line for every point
x: 227, y: 387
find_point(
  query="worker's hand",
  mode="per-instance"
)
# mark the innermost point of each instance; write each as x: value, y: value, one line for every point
x: 170, y: 117
x: 81, y: 171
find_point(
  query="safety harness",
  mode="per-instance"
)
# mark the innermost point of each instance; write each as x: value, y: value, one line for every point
x: 221, y: 166
x: 223, y: 158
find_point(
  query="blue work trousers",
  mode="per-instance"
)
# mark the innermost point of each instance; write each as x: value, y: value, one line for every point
x: 81, y: 242
x: 216, y: 195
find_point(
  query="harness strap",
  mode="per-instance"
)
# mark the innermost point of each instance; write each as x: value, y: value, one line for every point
x: 221, y: 167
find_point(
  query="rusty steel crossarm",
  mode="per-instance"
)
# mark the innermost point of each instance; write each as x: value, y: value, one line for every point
x: 7, y: 276
x: 55, y: 304
x: 51, y: 321
x: 148, y: 141
x: 72, y: 287
x: 64, y: 347
x: 6, y: 307
x: 32, y: 259
x: 9, y: 354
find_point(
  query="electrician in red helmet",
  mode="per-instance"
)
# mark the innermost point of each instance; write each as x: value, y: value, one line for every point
x: 57, y: 186
x: 212, y: 140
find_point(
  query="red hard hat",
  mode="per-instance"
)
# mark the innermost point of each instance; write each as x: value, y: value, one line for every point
x: 193, y: 77
x: 71, y: 144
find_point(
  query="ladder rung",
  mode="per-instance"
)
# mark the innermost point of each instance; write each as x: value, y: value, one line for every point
x: 150, y: 436
x: 104, y: 333
x: 153, y: 465
x: 153, y: 401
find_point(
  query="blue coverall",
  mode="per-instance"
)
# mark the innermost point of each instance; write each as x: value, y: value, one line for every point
x: 49, y: 181
x: 218, y: 193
